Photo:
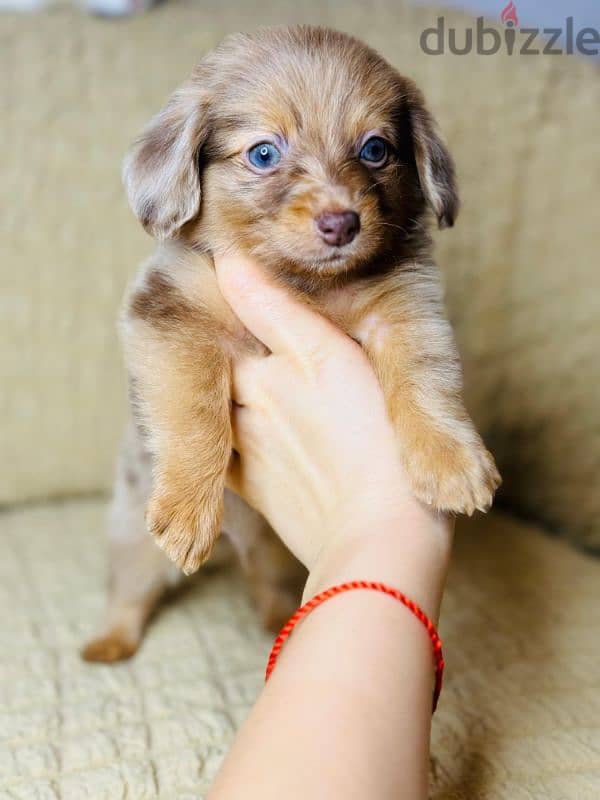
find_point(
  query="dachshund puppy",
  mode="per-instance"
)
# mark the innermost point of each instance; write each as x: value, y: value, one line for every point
x: 303, y: 148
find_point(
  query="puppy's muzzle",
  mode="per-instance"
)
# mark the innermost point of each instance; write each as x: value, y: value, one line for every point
x: 338, y: 228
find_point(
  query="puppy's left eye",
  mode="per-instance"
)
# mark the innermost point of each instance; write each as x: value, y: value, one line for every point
x: 374, y: 151
x: 264, y: 155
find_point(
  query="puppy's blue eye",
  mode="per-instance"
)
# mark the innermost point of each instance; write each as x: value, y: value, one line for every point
x: 264, y: 155
x: 374, y: 151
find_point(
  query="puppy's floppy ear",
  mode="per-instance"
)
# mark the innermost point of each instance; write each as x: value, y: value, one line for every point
x: 435, y: 166
x: 161, y: 171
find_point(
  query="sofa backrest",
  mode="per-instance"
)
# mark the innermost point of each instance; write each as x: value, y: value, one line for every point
x: 521, y: 265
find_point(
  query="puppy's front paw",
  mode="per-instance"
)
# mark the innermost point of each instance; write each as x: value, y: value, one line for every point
x: 185, y: 524
x: 453, y: 476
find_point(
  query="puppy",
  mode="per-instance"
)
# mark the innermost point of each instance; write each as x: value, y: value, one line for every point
x: 305, y: 149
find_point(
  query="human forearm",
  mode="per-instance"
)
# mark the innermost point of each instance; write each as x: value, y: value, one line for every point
x: 331, y: 721
x: 347, y: 710
x: 409, y: 551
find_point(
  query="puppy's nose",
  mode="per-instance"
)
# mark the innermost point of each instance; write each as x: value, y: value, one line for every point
x: 338, y: 227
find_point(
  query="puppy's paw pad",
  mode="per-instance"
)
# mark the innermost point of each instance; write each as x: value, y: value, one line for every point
x: 185, y: 534
x: 107, y: 649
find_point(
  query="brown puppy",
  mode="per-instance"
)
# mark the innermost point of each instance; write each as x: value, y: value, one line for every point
x: 305, y: 149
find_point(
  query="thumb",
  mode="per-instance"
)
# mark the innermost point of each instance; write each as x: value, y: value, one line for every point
x: 273, y: 313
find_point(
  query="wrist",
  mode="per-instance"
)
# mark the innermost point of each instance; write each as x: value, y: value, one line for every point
x: 409, y: 551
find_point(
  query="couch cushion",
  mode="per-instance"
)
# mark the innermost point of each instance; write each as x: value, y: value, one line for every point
x: 519, y: 717
x: 521, y: 265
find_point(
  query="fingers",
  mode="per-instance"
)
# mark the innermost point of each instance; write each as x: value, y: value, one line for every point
x: 281, y: 321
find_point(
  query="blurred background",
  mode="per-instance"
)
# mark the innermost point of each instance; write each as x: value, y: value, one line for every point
x: 522, y: 274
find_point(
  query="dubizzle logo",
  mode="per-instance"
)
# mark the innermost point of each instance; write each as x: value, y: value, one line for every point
x: 509, y: 15
x: 487, y: 41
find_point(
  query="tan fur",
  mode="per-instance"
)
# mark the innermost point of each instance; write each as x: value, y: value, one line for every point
x: 141, y: 574
x: 317, y: 94
x: 400, y: 323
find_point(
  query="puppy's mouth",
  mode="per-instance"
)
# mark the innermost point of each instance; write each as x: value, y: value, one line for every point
x: 330, y: 259
x: 327, y: 243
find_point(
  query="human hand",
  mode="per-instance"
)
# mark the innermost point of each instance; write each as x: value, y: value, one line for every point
x: 317, y: 452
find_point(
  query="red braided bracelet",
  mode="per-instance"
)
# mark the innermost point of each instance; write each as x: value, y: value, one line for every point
x: 376, y: 587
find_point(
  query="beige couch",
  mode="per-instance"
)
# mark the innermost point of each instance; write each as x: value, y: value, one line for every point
x: 519, y: 717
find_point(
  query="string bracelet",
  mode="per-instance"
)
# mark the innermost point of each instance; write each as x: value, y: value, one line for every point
x: 320, y: 598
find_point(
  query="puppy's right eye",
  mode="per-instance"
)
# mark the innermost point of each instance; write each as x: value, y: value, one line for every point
x: 264, y: 156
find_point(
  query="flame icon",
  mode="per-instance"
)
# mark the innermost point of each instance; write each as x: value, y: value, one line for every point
x: 509, y: 15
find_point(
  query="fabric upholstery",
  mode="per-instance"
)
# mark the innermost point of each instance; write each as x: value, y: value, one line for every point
x: 519, y: 717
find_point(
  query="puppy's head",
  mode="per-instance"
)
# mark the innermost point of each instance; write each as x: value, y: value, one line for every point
x: 299, y: 145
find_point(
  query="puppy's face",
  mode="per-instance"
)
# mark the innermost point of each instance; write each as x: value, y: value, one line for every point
x: 300, y: 146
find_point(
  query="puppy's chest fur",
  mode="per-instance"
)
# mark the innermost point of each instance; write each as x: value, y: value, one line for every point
x: 181, y: 337
x: 178, y: 288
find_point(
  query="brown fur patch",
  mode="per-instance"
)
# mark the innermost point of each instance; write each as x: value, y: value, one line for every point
x: 160, y: 302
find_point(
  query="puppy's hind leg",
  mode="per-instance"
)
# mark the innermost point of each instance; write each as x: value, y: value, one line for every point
x: 139, y: 571
x: 274, y: 576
